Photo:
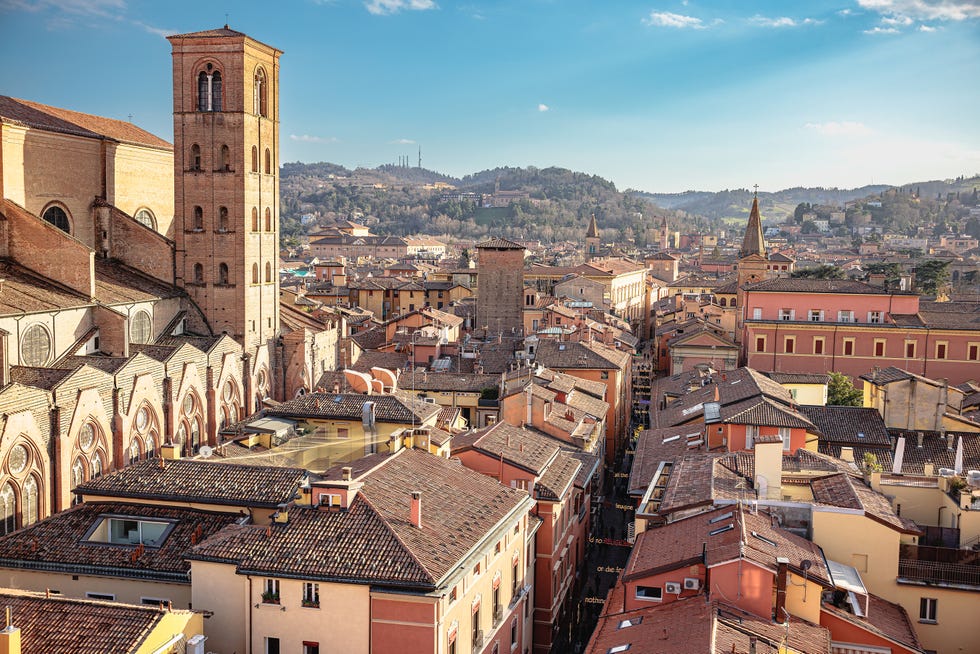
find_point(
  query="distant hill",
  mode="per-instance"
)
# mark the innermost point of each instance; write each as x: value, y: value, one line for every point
x: 559, y: 203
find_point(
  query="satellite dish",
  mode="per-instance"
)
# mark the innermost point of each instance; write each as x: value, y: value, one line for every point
x: 806, y: 564
x: 206, y: 451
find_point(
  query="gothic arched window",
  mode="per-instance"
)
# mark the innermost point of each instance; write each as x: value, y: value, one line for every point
x: 31, y: 496
x: 255, y: 159
x: 223, y: 219
x: 268, y: 272
x: 268, y: 219
x: 260, y: 106
x: 8, y: 509
x: 198, y: 218
x: 268, y: 162
x: 198, y: 273
x: 255, y: 219
x: 225, y: 158
x: 255, y: 273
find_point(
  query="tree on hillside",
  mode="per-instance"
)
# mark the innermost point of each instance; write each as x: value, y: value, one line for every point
x: 823, y: 271
x: 841, y: 391
x: 932, y: 276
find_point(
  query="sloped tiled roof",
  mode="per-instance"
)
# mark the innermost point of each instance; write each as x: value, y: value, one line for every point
x: 812, y: 285
x: 848, y: 425
x: 395, y: 407
x: 59, y: 543
x: 186, y: 480
x: 64, y: 121
x: 499, y: 244
x: 51, y: 624
x: 842, y: 490
x: 937, y: 450
x: 577, y: 355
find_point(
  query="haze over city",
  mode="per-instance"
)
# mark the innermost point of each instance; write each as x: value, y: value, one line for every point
x: 658, y: 96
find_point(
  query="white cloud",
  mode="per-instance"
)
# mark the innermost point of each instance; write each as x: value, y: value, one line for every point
x: 882, y: 30
x: 844, y: 12
x: 105, y: 8
x: 782, y: 21
x: 897, y: 21
x: 668, y: 19
x: 307, y: 138
x: 382, y: 7
x: 926, y: 28
x: 840, y: 128
x: 543, y: 107
x: 402, y: 142
x: 925, y: 9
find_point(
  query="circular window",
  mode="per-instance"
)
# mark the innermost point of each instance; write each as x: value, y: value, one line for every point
x: 144, y: 217
x: 142, y: 419
x: 17, y: 460
x: 141, y: 329
x: 188, y: 405
x: 86, y: 437
x: 35, y: 348
x: 57, y: 217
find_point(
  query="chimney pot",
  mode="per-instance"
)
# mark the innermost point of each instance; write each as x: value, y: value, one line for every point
x: 416, y: 509
x: 346, y: 473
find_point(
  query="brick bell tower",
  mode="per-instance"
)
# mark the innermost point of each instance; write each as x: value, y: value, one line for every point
x: 226, y: 189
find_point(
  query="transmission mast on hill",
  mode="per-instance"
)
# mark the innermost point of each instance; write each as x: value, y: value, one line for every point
x: 420, y: 157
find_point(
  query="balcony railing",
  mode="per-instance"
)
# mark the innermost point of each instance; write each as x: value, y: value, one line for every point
x: 939, y: 565
x: 498, y: 614
x: 477, y: 640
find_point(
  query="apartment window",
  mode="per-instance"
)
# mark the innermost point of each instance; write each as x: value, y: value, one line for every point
x: 513, y: 583
x: 477, y: 569
x: 909, y: 349
x: 497, y: 608
x: 845, y: 316
x: 513, y: 633
x: 874, y: 317
x: 604, y: 374
x: 270, y: 591
x: 848, y: 347
x: 311, y: 648
x: 927, y: 609
x: 452, y: 595
x: 652, y: 593
x: 756, y: 313
x: 973, y: 351
x: 477, y: 632
x: 109, y: 597
x: 789, y: 345
x: 784, y: 435
x: 760, y: 343
x: 786, y: 314
x: 311, y: 595
x: 941, y: 349
x: 223, y: 219
x: 271, y: 645
x: 879, y: 347
x: 818, y: 345
x: 815, y: 315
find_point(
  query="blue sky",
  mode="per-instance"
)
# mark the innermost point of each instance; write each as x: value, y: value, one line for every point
x: 658, y: 96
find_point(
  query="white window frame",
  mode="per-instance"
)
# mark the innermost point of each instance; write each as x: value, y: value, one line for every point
x: 787, y: 314
x: 875, y: 317
x: 757, y: 313
x: 845, y: 316
x: 815, y: 315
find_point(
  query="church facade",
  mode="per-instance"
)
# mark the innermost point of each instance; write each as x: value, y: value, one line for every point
x: 139, y: 280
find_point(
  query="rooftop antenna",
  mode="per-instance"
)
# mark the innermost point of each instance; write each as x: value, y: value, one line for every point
x: 420, y: 156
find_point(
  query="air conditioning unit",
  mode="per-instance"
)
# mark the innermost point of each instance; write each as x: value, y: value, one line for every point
x: 195, y: 644
x: 673, y: 588
x: 973, y: 477
x: 692, y: 583
x: 947, y: 472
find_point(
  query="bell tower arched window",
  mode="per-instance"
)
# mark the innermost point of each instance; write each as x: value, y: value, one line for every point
x: 268, y: 272
x: 223, y: 219
x: 268, y: 162
x: 255, y: 219
x: 225, y: 158
x: 223, y: 273
x: 198, y: 273
x: 195, y: 157
x: 57, y: 217
x: 268, y: 219
x: 198, y: 218
x: 255, y: 159
x: 255, y: 273
x: 209, y: 90
x: 260, y: 90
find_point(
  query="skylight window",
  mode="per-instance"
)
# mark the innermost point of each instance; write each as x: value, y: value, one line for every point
x: 619, y: 648
x: 721, y: 530
x: 719, y: 518
x: 671, y: 439
x: 126, y: 530
x: 764, y: 539
x: 631, y: 622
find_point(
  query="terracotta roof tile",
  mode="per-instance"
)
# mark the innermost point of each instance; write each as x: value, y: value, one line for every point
x: 54, y: 119
x: 395, y: 407
x: 848, y: 425
x: 59, y: 542
x: 60, y: 624
x: 186, y: 480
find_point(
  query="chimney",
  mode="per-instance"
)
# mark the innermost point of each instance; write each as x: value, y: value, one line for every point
x: 847, y: 454
x: 928, y: 469
x: 346, y: 473
x: 416, y: 509
x: 782, y: 572
x: 169, y: 451
x: 920, y: 436
x: 282, y: 515
x: 752, y: 644
x: 9, y: 638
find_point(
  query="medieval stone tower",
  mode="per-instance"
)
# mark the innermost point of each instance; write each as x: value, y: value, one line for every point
x: 500, y: 286
x: 226, y: 188
x: 592, y: 240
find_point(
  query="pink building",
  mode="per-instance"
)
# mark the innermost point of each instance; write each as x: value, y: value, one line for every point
x: 820, y: 325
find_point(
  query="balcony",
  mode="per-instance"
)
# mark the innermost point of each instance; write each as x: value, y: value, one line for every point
x: 477, y: 640
x: 939, y: 565
x: 498, y: 614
